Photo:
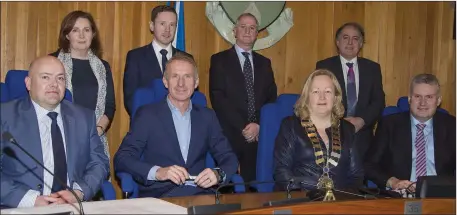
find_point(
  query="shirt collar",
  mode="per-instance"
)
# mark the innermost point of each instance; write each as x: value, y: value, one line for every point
x: 344, y: 61
x: 428, y: 123
x: 175, y: 109
x: 42, y: 112
x: 157, y: 48
x: 239, y: 50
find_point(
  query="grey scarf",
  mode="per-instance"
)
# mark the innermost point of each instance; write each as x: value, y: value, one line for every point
x: 100, y: 74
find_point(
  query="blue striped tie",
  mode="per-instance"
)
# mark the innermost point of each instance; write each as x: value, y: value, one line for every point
x: 351, y: 91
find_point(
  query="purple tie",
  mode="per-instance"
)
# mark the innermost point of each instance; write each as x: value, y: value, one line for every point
x: 351, y: 93
x: 421, y: 158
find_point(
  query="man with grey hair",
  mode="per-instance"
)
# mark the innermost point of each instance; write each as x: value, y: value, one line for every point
x: 241, y: 81
x: 167, y: 144
x: 361, y: 82
x: 417, y: 143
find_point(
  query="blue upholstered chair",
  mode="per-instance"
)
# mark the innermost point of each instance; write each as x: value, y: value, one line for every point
x: 271, y: 116
x: 4, y: 95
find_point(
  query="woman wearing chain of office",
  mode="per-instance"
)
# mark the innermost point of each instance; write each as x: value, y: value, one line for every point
x: 315, y: 146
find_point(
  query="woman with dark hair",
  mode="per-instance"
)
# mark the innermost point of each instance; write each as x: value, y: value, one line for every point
x: 88, y: 77
x: 315, y: 146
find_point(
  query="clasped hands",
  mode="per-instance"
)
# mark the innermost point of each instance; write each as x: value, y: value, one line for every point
x: 251, y: 132
x: 358, y: 122
x: 178, y: 175
x: 397, y: 184
x: 61, y: 197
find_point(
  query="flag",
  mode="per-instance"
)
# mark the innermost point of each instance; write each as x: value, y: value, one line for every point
x: 180, y: 36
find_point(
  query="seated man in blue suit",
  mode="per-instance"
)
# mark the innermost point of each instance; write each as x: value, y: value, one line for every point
x: 61, y: 135
x: 146, y: 63
x: 168, y: 141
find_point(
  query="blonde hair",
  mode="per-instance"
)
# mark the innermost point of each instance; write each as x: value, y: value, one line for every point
x: 301, y: 108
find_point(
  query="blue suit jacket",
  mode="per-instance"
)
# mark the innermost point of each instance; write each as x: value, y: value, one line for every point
x: 87, y: 163
x: 141, y: 67
x: 153, y: 135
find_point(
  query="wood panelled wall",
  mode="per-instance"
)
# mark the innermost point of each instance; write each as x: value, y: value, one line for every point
x: 406, y: 38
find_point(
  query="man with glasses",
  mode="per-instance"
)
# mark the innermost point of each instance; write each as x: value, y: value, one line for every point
x: 361, y: 83
x: 411, y: 144
x: 241, y: 82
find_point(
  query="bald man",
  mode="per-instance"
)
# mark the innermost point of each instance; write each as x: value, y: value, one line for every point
x: 61, y: 135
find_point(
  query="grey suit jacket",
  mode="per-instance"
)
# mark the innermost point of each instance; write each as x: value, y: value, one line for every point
x: 87, y: 163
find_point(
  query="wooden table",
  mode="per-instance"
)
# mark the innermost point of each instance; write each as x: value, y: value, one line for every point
x: 252, y: 203
x: 247, y: 200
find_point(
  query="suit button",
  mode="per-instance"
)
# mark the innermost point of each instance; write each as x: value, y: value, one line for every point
x: 39, y: 186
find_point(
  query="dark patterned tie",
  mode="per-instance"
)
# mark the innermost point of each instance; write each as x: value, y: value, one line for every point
x: 421, y: 158
x: 60, y: 161
x: 249, y: 80
x: 351, y: 90
x: 164, y: 59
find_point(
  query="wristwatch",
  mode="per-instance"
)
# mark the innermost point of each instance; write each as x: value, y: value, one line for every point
x: 220, y: 175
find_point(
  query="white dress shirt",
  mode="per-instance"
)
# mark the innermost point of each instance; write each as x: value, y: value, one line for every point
x: 241, y: 58
x: 44, y: 125
x: 346, y: 70
x: 157, y: 49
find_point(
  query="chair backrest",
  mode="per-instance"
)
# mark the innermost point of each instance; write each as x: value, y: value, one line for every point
x: 15, y: 83
x: 271, y: 116
x: 15, y: 86
x: 403, y: 104
x: 155, y: 92
x: 3, y: 92
x: 391, y: 110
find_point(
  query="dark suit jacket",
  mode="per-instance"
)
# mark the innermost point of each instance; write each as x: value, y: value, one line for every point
x: 153, y: 135
x: 228, y: 92
x: 86, y: 160
x: 391, y: 153
x: 371, y: 98
x: 294, y: 157
x: 141, y: 67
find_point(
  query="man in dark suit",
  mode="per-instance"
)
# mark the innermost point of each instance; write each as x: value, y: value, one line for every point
x: 241, y: 82
x: 147, y: 63
x: 61, y: 135
x: 415, y: 143
x: 168, y: 141
x: 361, y: 82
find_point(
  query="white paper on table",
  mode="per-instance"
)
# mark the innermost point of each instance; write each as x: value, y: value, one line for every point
x: 125, y: 206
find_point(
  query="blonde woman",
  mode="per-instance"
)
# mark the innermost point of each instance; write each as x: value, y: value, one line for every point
x: 316, y: 144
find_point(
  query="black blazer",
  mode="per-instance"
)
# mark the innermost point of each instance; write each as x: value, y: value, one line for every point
x: 141, y: 67
x: 228, y: 92
x: 371, y: 98
x: 294, y: 157
x: 391, y: 153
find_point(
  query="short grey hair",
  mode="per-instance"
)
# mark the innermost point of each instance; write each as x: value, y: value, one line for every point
x: 424, y: 79
x: 180, y: 56
x: 247, y: 15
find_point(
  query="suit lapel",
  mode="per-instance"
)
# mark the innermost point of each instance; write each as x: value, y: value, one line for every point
x: 169, y: 127
x: 257, y: 79
x: 338, y: 71
x: 32, y: 140
x: 405, y: 145
x: 439, y: 136
x: 69, y: 129
x: 236, y: 72
x: 363, y: 80
x: 173, y: 51
x: 151, y: 57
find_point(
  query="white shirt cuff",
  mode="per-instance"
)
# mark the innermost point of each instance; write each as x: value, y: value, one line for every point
x: 152, y: 173
x: 29, y: 199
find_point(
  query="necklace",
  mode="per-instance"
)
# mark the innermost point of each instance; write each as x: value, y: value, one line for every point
x: 332, y: 159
